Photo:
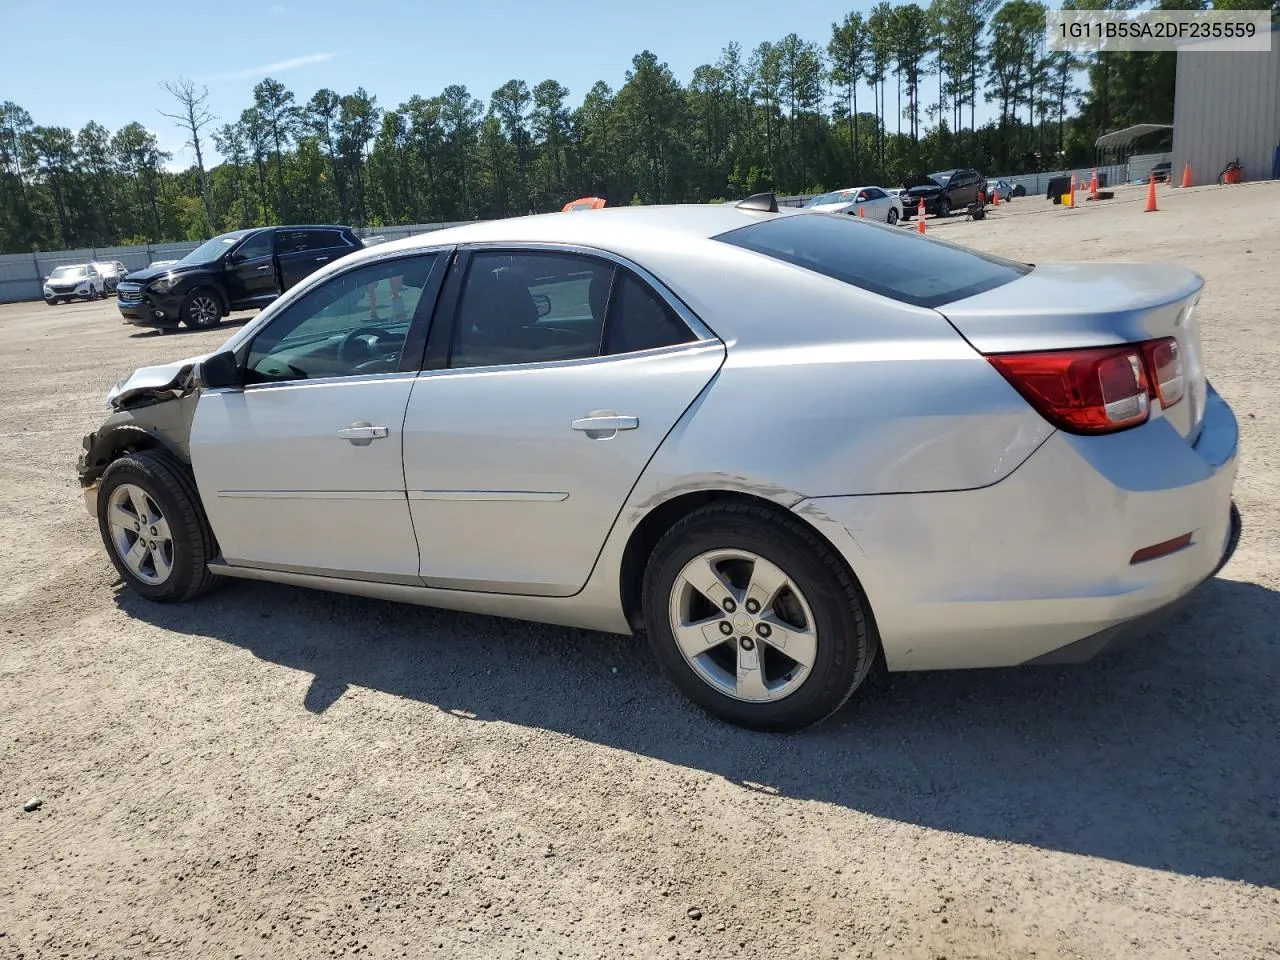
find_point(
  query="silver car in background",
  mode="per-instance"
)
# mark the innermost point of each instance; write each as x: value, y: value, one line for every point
x: 781, y: 444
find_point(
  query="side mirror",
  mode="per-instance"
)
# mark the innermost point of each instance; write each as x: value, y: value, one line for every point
x: 220, y: 370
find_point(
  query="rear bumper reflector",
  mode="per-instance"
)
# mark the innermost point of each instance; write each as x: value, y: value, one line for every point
x: 1157, y: 550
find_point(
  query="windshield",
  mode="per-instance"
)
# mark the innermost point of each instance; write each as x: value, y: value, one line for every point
x: 838, y: 196
x: 941, y: 179
x: 211, y: 250
x: 893, y: 263
x: 67, y: 273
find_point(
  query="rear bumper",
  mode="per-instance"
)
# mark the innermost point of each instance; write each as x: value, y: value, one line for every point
x: 1037, y: 567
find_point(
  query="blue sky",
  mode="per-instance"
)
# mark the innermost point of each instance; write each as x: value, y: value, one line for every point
x: 117, y: 55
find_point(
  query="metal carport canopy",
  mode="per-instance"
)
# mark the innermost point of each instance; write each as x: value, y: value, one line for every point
x: 1119, y: 139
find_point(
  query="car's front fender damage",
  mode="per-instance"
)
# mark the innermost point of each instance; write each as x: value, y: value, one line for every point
x: 162, y: 420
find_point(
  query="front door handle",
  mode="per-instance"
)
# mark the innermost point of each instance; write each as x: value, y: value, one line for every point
x: 321, y: 259
x: 604, y: 426
x: 362, y: 433
x: 264, y: 268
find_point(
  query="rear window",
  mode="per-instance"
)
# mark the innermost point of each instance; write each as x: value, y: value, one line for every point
x: 889, y: 261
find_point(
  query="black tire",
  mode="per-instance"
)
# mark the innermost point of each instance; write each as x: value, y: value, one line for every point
x: 944, y: 208
x: 195, y: 313
x: 168, y: 482
x: 847, y: 646
x: 892, y: 219
x: 51, y: 301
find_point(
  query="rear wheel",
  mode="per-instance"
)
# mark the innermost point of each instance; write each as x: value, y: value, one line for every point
x: 201, y: 309
x: 154, y: 527
x: 755, y: 618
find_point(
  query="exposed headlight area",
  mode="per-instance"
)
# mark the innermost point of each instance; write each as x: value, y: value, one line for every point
x: 163, y: 284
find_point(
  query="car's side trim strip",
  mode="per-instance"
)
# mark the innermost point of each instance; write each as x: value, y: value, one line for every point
x: 229, y: 567
x: 312, y: 494
x: 524, y: 496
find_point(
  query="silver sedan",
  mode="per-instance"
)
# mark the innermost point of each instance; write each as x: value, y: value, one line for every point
x: 783, y: 445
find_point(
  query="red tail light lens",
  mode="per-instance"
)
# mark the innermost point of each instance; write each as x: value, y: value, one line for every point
x: 1164, y: 364
x: 1097, y: 390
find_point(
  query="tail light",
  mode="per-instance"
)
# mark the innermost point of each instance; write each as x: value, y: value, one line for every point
x: 1100, y: 389
x: 1164, y: 364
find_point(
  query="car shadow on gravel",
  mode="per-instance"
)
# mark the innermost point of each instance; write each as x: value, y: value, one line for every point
x: 1163, y: 754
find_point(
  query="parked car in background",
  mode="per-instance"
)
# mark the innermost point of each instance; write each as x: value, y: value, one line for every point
x: 876, y: 203
x: 113, y: 271
x: 1162, y: 170
x: 942, y: 192
x: 78, y: 281
x: 782, y: 446
x: 1008, y: 190
x: 240, y: 270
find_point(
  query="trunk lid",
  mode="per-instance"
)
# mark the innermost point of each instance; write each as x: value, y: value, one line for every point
x: 1061, y: 306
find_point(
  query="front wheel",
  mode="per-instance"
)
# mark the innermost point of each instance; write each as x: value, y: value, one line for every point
x: 201, y: 310
x: 51, y: 301
x: 892, y: 219
x: 944, y: 207
x: 154, y: 527
x: 755, y: 618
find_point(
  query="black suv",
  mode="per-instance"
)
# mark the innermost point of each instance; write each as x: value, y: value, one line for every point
x: 942, y: 192
x: 240, y: 270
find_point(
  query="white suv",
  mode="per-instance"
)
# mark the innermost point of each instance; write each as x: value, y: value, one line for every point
x: 80, y: 281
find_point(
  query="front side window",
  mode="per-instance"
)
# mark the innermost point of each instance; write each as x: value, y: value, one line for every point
x: 256, y: 247
x: 893, y: 263
x: 352, y: 325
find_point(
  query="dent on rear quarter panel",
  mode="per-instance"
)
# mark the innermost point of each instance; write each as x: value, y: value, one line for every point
x: 844, y: 426
x: 829, y: 390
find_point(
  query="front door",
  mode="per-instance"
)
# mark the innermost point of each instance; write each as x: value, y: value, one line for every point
x: 300, y: 468
x: 251, y: 272
x: 561, y: 377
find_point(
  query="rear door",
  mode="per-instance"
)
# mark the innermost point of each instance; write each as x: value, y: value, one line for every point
x: 303, y: 250
x: 250, y: 272
x: 552, y: 377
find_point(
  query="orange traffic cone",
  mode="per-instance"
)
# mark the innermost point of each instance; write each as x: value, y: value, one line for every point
x: 1093, y: 185
x: 1186, y: 174
x: 995, y: 197
x: 861, y: 212
x: 1151, y: 196
x: 920, y: 217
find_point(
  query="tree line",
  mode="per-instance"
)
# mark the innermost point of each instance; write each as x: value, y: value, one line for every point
x: 789, y: 115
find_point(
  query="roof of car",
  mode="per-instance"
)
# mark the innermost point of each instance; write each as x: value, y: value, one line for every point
x: 608, y: 227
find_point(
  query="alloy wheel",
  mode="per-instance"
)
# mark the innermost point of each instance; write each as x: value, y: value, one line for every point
x: 743, y: 625
x: 204, y: 311
x: 140, y: 534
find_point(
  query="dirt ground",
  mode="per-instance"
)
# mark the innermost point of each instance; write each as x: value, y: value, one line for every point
x: 272, y: 772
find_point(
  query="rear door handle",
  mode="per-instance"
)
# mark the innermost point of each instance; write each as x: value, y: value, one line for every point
x: 603, y: 427
x: 264, y: 268
x: 361, y: 433
x: 321, y: 259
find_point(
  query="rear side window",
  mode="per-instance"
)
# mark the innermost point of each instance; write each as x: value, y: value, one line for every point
x: 893, y: 263
x: 639, y: 320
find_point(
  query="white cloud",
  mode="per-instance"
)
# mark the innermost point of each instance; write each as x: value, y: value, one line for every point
x: 280, y: 66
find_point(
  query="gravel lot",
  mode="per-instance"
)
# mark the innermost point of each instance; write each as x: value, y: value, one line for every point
x: 277, y: 772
